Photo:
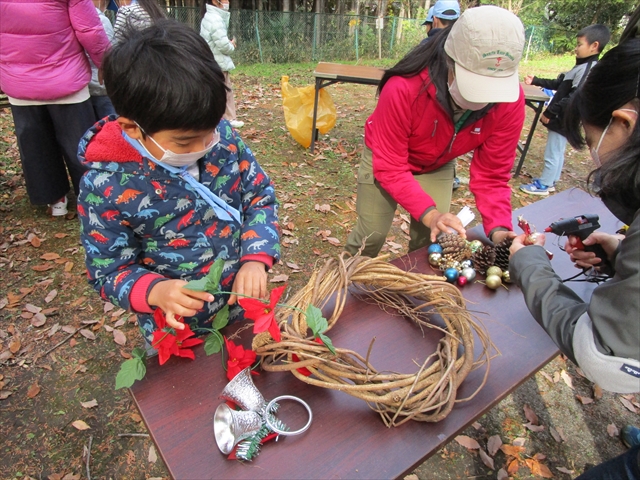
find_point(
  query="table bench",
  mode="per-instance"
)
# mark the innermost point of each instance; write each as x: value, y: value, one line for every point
x: 347, y: 439
x: 329, y: 73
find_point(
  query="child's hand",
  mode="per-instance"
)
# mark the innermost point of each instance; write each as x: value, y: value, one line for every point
x: 251, y: 280
x: 521, y: 241
x: 528, y: 79
x: 175, y: 300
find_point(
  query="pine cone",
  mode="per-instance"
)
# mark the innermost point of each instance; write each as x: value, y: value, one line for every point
x: 502, y: 254
x: 454, y: 246
x: 484, y: 258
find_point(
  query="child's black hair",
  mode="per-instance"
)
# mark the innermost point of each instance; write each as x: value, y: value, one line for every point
x: 596, y: 33
x: 164, y: 77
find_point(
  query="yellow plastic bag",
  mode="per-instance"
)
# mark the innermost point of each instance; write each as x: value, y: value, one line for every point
x: 298, y: 111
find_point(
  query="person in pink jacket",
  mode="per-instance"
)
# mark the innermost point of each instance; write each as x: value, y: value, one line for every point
x: 45, y: 73
x: 455, y: 94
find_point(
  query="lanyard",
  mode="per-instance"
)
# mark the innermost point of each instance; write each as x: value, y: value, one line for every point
x: 222, y: 209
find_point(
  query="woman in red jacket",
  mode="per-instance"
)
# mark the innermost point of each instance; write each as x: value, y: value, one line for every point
x: 457, y: 93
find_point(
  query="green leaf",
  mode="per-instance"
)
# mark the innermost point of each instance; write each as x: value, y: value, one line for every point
x: 213, y: 277
x: 327, y: 341
x: 222, y: 318
x: 139, y: 352
x: 199, y: 285
x: 213, y: 343
x: 316, y: 322
x: 130, y: 371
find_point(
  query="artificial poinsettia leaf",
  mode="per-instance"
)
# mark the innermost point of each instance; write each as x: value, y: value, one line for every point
x: 316, y: 322
x: 139, y: 352
x: 199, y: 285
x: 130, y: 371
x: 222, y: 318
x: 213, y: 344
x: 327, y: 341
x: 214, y: 275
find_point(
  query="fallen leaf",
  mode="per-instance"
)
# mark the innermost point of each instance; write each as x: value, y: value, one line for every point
x: 108, y: 328
x: 567, y: 379
x: 584, y: 400
x: 538, y: 468
x: 34, y: 240
x: 565, y: 470
x: 41, y: 268
x: 324, y: 208
x: 118, y: 312
x: 539, y: 457
x: 81, y: 425
x: 73, y: 342
x: 33, y: 390
x: 120, y: 322
x: 126, y: 355
x: 534, y: 428
x: 502, y: 474
x: 467, y: 442
x: 71, y: 476
x: 90, y: 403
x: 5, y: 394
x: 513, y: 467
x: 530, y: 415
x: 519, y: 442
x: 68, y: 329
x: 597, y: 392
x: 49, y: 256
x: 279, y: 278
x: 333, y: 241
x: 612, y: 430
x: 14, y: 345
x: 54, y: 330
x: 50, y: 296
x: 26, y: 315
x: 32, y: 308
x: 628, y: 405
x: 119, y: 337
x: 293, y: 266
x: 38, y: 320
x: 486, y: 459
x: 493, y: 444
x: 87, y: 334
x: 547, y: 376
x: 61, y: 235
x: 554, y: 433
x: 561, y: 433
x: 476, y: 425
x: 136, y: 418
x: 68, y: 266
x: 511, y: 450
x: 153, y: 458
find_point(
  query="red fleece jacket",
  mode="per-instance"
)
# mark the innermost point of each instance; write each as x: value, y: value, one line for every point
x: 410, y: 132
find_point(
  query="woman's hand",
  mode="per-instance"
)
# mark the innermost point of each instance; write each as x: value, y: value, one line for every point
x: 251, y: 280
x: 584, y: 259
x: 500, y: 235
x: 442, y: 222
x: 521, y: 241
x: 173, y: 299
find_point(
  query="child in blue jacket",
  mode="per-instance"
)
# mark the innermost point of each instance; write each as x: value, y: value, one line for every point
x: 171, y: 187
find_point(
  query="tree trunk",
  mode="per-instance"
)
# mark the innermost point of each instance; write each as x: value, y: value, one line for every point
x: 285, y: 6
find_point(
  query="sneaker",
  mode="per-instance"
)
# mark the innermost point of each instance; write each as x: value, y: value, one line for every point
x: 535, y: 188
x: 59, y: 209
x: 236, y: 123
x: 552, y: 188
x: 456, y: 183
x: 630, y: 436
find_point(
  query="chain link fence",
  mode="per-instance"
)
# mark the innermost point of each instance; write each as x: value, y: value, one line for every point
x: 294, y: 37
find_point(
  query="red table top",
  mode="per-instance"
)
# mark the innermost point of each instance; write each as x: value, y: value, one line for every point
x: 346, y: 438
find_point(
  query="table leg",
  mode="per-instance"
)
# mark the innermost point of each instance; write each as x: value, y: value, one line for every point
x: 525, y: 149
x: 315, y: 113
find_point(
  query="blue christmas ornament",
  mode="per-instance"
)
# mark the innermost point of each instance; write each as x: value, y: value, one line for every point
x: 451, y: 274
x: 434, y: 248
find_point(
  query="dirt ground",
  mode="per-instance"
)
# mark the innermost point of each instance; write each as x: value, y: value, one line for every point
x: 61, y: 345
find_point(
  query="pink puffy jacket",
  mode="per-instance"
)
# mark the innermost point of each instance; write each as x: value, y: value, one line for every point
x: 42, y: 45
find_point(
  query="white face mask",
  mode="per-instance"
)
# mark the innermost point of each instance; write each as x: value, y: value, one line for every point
x: 594, y: 151
x: 224, y: 6
x: 454, y: 91
x: 182, y: 159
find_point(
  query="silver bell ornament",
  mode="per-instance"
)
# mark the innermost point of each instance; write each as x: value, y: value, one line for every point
x: 469, y: 274
x: 466, y: 264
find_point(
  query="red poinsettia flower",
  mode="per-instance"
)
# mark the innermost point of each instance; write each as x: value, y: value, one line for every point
x: 172, y: 342
x: 304, y: 370
x: 239, y: 358
x: 264, y: 314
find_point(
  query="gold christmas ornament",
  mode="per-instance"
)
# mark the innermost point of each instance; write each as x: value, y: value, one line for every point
x: 493, y: 282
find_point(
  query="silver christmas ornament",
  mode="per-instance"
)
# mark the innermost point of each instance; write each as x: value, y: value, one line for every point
x: 434, y: 259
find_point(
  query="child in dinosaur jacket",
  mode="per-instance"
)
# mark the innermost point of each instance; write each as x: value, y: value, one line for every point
x: 171, y: 187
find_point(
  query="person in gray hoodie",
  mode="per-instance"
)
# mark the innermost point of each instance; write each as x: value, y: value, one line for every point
x: 602, y: 335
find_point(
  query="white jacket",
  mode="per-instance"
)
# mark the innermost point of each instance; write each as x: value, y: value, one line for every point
x: 214, y: 30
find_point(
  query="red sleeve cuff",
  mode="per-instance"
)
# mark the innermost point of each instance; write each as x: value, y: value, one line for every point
x: 139, y: 293
x: 258, y: 257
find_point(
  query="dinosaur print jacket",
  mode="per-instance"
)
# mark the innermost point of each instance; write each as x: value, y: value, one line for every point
x: 141, y: 224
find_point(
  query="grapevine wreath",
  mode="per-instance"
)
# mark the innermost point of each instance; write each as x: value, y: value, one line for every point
x: 427, y: 395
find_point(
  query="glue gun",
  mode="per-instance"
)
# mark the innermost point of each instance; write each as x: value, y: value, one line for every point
x: 580, y: 227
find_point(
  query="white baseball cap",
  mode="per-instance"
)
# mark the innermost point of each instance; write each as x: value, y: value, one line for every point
x: 486, y: 45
